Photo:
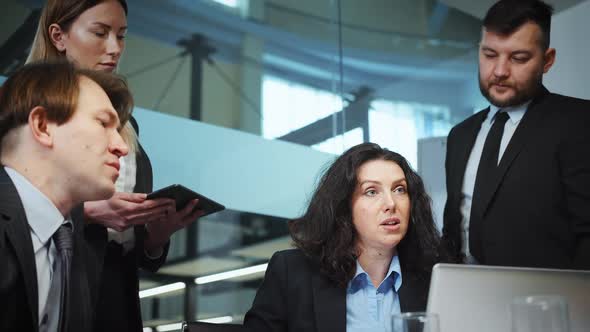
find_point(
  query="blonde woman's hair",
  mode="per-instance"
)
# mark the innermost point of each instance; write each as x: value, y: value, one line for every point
x: 64, y: 13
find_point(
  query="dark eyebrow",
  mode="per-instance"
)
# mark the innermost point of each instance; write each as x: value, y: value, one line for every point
x: 400, y: 180
x: 521, y: 52
x: 108, y: 27
x: 369, y: 181
x: 517, y: 52
x: 487, y: 48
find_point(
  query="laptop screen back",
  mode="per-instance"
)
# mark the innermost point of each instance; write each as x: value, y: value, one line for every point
x: 471, y: 298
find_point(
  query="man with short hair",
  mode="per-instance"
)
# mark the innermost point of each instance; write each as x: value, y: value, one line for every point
x: 59, y: 146
x: 518, y: 172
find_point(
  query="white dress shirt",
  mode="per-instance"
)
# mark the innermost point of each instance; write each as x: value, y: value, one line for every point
x: 44, y: 219
x: 516, y: 113
x: 125, y: 183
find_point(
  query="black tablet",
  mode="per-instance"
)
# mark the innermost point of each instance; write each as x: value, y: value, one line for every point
x: 182, y: 195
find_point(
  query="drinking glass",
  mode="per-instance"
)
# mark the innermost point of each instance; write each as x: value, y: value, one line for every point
x: 415, y: 322
x: 539, y: 313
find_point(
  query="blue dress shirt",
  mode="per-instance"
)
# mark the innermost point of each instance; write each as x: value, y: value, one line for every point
x: 369, y: 308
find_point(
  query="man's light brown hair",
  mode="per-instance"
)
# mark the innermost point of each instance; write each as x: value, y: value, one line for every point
x: 55, y: 86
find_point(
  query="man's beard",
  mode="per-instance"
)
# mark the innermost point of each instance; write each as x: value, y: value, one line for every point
x: 521, y: 95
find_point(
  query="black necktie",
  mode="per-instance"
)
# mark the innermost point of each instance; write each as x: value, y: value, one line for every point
x: 64, y: 243
x: 488, y: 165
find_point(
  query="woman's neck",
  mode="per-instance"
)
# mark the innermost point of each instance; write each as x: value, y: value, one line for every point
x: 376, y: 263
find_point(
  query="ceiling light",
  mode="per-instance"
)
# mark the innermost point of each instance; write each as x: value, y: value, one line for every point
x: 161, y: 289
x: 169, y: 327
x: 231, y: 274
x: 229, y: 3
x: 218, y: 320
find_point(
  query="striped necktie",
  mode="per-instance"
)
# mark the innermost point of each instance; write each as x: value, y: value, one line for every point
x: 63, y: 240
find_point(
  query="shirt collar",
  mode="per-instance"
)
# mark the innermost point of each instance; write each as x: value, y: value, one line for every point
x: 42, y: 215
x: 515, y: 112
x: 393, y: 279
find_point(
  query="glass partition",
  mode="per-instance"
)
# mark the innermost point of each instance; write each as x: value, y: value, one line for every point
x: 301, y: 75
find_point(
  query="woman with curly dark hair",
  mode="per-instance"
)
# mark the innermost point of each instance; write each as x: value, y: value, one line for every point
x: 365, y: 250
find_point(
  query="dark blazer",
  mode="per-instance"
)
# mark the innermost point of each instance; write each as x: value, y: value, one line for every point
x: 537, y: 212
x: 119, y: 307
x: 18, y: 273
x: 295, y: 297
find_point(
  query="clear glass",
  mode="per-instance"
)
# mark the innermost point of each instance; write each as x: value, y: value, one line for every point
x: 539, y: 313
x: 415, y: 322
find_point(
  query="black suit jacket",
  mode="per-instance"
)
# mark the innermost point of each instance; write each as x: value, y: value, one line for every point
x: 537, y: 212
x: 18, y: 273
x: 119, y: 307
x: 295, y: 297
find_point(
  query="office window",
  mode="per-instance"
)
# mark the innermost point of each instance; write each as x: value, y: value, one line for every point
x: 287, y: 106
x: 228, y: 3
x: 340, y: 143
x: 398, y: 125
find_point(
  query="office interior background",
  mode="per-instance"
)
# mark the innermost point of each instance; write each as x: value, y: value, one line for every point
x: 246, y: 101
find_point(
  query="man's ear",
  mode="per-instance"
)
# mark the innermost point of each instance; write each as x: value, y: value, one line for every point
x: 41, y: 127
x: 548, y: 59
x: 57, y: 35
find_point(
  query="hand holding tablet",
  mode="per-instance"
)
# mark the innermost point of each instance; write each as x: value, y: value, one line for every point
x: 182, y: 196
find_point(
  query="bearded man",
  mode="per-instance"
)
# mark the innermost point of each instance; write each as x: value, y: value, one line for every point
x: 518, y: 172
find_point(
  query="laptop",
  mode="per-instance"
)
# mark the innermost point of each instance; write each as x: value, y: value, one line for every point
x: 471, y: 298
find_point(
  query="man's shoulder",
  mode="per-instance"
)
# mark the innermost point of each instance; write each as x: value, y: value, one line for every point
x: 565, y: 110
x: 10, y: 201
x: 566, y: 103
x: 469, y: 122
x: 556, y: 97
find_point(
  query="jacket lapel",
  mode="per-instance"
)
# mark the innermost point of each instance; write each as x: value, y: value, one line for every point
x: 84, y: 272
x: 90, y: 241
x: 12, y: 215
x: 329, y: 303
x: 468, y: 135
x: 521, y: 136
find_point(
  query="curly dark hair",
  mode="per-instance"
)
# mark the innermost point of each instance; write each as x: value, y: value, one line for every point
x: 326, y: 234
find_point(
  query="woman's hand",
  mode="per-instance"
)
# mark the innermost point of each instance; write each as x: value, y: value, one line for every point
x: 160, y: 230
x: 125, y: 210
